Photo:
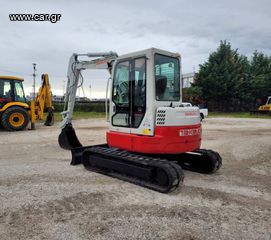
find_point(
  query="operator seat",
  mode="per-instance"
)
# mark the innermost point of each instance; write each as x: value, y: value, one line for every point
x: 161, y: 86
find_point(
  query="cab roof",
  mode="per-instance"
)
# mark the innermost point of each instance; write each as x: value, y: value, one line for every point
x: 149, y: 51
x: 11, y: 78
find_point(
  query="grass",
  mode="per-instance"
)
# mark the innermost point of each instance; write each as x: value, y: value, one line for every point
x: 237, y: 115
x: 87, y: 115
x: 81, y: 115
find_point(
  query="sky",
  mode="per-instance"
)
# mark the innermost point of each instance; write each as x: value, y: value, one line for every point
x: 192, y: 28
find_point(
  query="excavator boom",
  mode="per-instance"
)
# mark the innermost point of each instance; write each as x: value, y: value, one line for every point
x: 104, y: 60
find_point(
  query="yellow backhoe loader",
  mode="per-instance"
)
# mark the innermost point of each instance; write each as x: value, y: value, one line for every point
x: 264, y: 109
x: 15, y: 112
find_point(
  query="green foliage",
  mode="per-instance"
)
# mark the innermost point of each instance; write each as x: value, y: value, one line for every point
x: 80, y: 115
x: 228, y: 81
x: 191, y: 94
x: 261, y: 75
x: 98, y: 107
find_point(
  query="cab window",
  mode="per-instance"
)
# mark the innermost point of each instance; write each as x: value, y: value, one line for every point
x: 167, y: 78
x: 5, y: 90
x: 121, y: 84
x: 19, y: 92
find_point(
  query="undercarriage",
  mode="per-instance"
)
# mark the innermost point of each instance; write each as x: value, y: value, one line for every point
x: 162, y: 173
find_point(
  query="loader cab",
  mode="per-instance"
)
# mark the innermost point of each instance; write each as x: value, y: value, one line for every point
x: 11, y: 90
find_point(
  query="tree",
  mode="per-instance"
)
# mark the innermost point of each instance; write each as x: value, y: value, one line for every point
x: 228, y: 81
x: 223, y: 79
x: 260, y: 76
x: 192, y: 94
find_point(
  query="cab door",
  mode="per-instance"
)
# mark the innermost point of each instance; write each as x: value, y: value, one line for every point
x: 129, y: 94
x: 138, y: 93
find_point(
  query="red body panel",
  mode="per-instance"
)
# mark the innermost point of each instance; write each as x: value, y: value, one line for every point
x: 167, y: 140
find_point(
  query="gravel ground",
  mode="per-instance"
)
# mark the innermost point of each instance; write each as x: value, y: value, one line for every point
x: 43, y: 197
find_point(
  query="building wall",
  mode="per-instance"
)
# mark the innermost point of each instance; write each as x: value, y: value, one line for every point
x: 187, y: 79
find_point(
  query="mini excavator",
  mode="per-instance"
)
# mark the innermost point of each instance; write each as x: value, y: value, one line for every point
x: 152, y: 137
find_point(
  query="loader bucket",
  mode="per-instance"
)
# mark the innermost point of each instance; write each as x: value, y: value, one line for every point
x: 49, y: 119
x: 67, y: 139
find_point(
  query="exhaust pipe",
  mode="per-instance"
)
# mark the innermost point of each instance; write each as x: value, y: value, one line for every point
x: 67, y: 139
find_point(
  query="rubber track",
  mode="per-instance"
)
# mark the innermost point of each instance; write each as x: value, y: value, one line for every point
x: 150, y: 165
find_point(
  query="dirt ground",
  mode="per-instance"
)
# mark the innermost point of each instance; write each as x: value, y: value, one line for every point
x: 43, y: 197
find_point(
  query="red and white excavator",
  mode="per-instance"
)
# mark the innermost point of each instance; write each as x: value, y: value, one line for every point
x: 152, y: 137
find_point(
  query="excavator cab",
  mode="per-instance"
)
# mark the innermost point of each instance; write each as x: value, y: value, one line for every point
x: 151, y: 119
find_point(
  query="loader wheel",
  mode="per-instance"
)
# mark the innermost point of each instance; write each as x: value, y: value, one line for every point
x: 15, y: 119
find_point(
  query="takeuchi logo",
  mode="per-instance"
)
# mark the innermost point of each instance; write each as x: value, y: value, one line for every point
x: 190, y: 132
x: 190, y: 114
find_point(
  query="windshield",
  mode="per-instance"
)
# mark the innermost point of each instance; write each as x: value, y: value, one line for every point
x: 19, y: 92
x: 121, y: 84
x: 5, y: 90
x: 167, y: 78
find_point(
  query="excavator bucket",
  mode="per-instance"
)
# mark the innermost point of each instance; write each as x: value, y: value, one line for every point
x: 50, y: 119
x: 67, y: 139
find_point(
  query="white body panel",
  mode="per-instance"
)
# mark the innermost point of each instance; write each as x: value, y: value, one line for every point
x: 178, y: 116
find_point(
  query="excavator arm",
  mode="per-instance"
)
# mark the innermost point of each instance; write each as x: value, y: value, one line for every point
x: 41, y: 102
x: 67, y: 138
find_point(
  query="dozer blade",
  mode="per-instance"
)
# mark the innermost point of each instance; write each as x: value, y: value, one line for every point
x: 50, y: 119
x: 153, y: 173
x: 67, y: 139
x: 201, y: 161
